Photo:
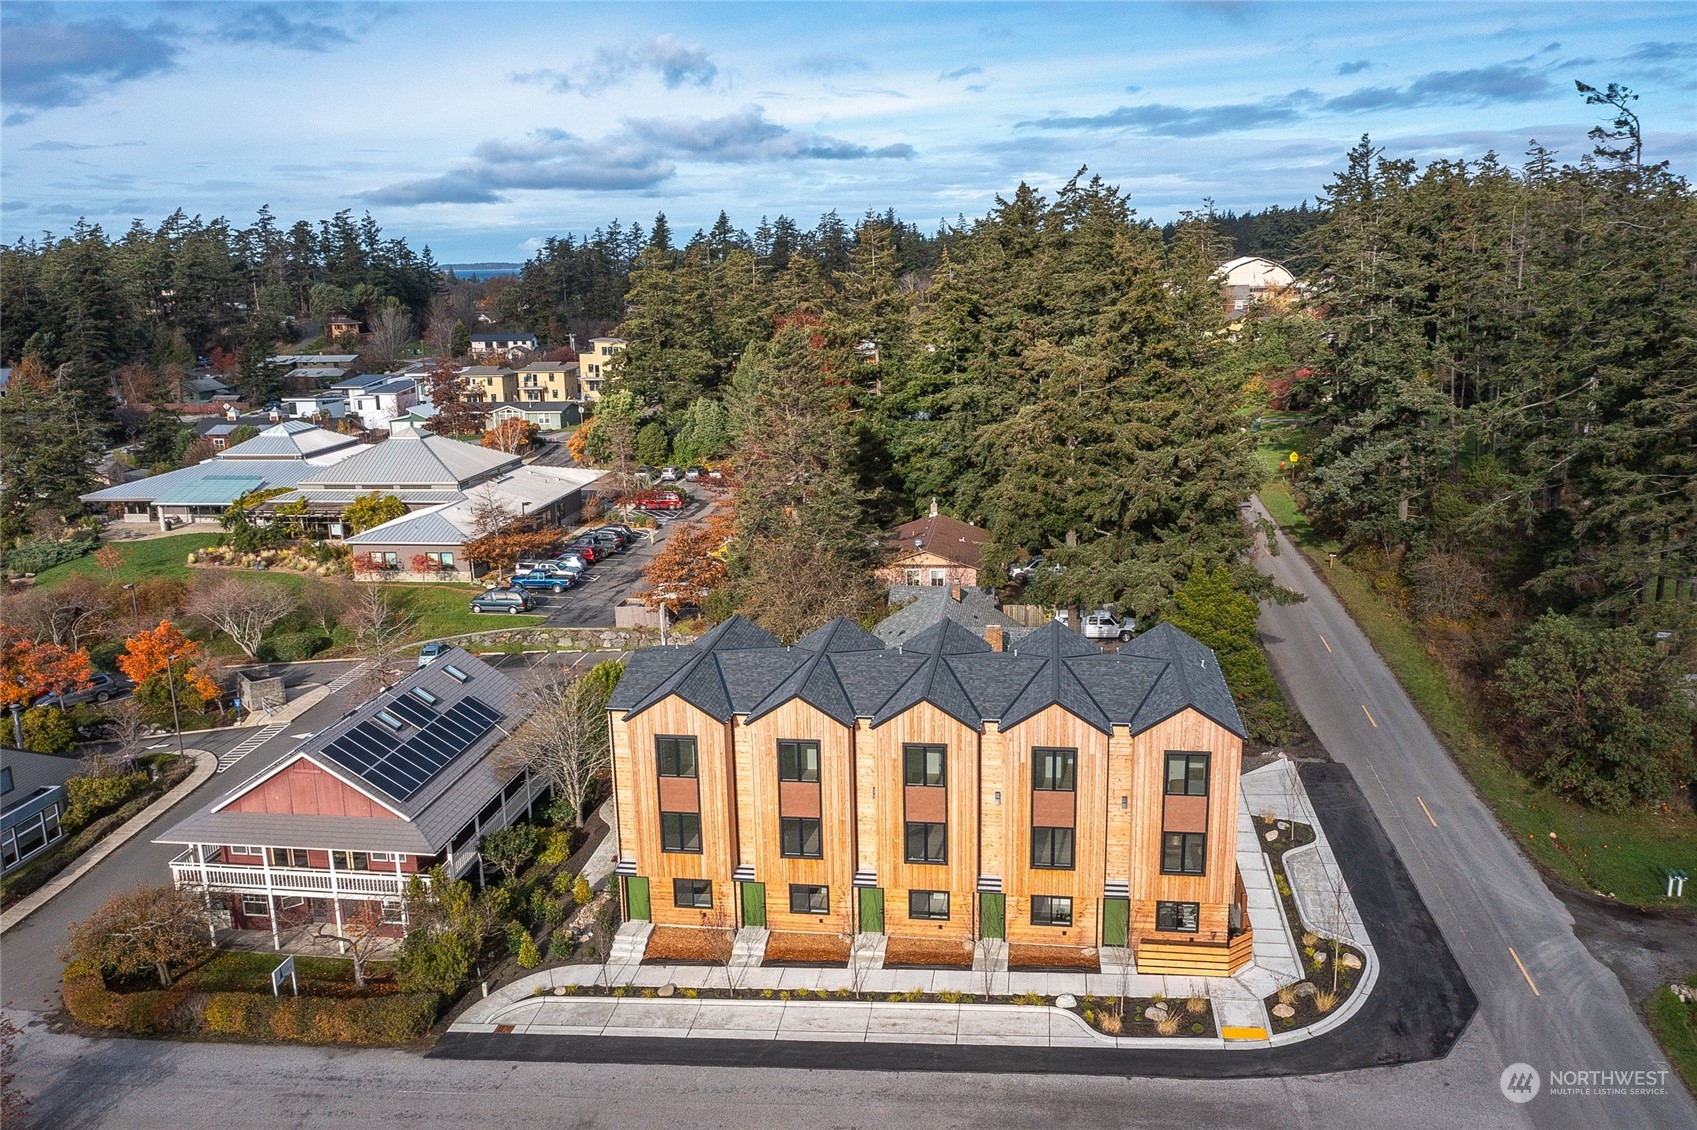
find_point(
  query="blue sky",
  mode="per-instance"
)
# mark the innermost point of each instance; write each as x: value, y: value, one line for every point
x: 482, y: 128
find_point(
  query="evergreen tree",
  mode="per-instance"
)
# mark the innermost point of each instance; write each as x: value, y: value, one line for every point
x: 49, y: 455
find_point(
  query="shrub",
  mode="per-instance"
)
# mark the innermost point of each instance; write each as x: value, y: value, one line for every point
x: 1196, y: 1006
x: 529, y: 957
x: 581, y: 894
x: 292, y: 647
x: 560, y: 947
x: 48, y: 730
x: 88, y: 797
x: 1325, y: 1000
x: 1110, y: 1022
x: 556, y: 848
x: 1168, y: 1025
x: 1287, y: 993
x: 41, y: 554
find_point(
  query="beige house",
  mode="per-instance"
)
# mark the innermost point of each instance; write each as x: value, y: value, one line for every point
x: 490, y: 384
x: 594, y: 364
x: 547, y: 382
x: 1248, y: 280
x: 934, y: 550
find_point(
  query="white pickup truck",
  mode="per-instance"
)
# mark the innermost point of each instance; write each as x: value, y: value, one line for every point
x: 1102, y: 624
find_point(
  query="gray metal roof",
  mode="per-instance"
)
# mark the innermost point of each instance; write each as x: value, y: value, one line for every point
x: 847, y: 674
x: 409, y: 457
x: 292, y: 439
x: 423, y: 527
x: 434, y: 813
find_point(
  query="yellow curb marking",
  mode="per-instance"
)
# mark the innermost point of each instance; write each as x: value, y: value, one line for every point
x: 1427, y: 811
x: 1523, y: 972
x: 1369, y: 714
x: 1243, y: 1033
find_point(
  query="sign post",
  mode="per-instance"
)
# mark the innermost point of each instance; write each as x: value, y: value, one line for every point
x: 287, y: 969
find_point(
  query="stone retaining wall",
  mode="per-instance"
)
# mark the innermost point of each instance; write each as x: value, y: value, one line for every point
x: 569, y: 639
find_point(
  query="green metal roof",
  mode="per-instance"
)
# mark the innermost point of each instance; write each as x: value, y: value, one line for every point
x: 212, y: 490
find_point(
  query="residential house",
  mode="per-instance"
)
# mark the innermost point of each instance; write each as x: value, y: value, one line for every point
x: 341, y: 326
x: 1044, y: 793
x: 310, y: 406
x: 408, y: 781
x: 32, y: 801
x: 377, y: 404
x: 281, y: 455
x: 550, y: 416
x: 206, y: 388
x: 490, y: 384
x: 547, y: 381
x: 934, y: 550
x: 298, y: 360
x: 594, y: 364
x: 219, y: 434
x: 1246, y: 280
x: 507, y: 344
x: 921, y: 606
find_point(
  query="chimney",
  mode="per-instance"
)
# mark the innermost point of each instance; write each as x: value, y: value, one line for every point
x: 933, y: 506
x: 954, y: 590
x: 994, y: 637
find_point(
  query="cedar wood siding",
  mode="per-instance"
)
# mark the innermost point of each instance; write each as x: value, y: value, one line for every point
x: 638, y: 774
x: 303, y: 789
x: 1186, y: 731
x: 760, y: 813
x: 1052, y: 727
x: 959, y: 876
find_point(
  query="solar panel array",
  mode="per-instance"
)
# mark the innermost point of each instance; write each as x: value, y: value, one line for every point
x: 400, y: 768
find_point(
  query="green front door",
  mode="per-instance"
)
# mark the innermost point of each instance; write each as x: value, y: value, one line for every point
x: 872, y: 910
x: 992, y: 911
x: 636, y: 897
x: 754, y: 904
x: 1116, y: 921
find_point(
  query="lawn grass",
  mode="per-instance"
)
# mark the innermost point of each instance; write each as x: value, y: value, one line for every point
x: 232, y: 971
x: 1625, y: 855
x: 156, y: 557
x: 1675, y: 1024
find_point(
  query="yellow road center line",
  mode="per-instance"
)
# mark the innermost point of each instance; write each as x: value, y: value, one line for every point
x: 1328, y: 646
x: 1369, y: 714
x: 1523, y: 972
x: 1427, y: 811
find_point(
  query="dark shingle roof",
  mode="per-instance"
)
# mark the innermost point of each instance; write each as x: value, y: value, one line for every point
x: 842, y: 671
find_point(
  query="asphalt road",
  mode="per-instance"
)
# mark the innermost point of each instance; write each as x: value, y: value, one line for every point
x: 1566, y: 1011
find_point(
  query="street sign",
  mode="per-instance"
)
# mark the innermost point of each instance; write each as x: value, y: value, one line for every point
x: 287, y: 969
x: 1293, y: 457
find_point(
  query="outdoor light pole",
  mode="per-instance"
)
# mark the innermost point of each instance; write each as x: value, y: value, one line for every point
x: 171, y: 684
x: 17, y: 723
x: 135, y: 610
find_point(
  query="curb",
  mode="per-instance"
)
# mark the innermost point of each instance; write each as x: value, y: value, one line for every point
x: 205, y: 765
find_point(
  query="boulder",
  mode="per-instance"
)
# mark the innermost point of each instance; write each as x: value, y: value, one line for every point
x: 1271, y: 836
x: 1155, y: 1012
x: 1283, y: 1011
x: 667, y: 990
x: 1350, y: 961
x: 1066, y: 1000
x: 1305, y: 989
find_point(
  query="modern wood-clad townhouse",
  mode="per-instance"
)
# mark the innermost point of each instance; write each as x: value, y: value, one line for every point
x: 1048, y: 793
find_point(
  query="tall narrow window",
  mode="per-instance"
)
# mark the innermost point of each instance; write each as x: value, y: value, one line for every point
x: 676, y: 756
x: 1187, y: 774
x: 798, y: 761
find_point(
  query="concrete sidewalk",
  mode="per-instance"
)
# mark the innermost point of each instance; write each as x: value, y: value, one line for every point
x: 528, y: 1004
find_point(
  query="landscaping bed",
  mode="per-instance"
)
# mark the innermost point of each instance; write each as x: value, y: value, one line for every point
x: 1052, y: 959
x: 927, y: 953
x: 793, y: 948
x: 687, y: 945
x: 1191, y: 1017
x: 1334, y: 968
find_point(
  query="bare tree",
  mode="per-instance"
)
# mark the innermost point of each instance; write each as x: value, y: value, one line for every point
x: 390, y: 330
x: 241, y: 609
x: 439, y: 331
x: 148, y: 928
x: 360, y: 936
x: 68, y: 614
x: 128, y: 729
x: 323, y: 602
x: 563, y: 739
x: 380, y: 629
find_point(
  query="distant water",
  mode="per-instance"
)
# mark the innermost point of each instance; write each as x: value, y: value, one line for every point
x: 483, y: 270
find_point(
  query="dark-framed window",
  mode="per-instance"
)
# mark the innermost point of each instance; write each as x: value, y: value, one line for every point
x: 927, y: 843
x: 928, y: 904
x: 1182, y: 916
x: 798, y: 761
x: 1051, y: 910
x: 1054, y: 770
x: 1187, y: 774
x: 676, y: 756
x: 288, y: 857
x: 809, y: 900
x: 1184, y: 853
x: 1052, y: 848
x: 693, y: 893
x: 925, y: 764
x: 680, y: 831
x: 801, y: 837
x: 351, y: 861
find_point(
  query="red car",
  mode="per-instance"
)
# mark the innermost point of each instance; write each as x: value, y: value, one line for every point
x: 656, y: 500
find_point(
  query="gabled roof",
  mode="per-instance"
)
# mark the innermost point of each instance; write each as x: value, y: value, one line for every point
x: 291, y: 439
x: 410, y: 457
x: 923, y: 604
x: 958, y: 542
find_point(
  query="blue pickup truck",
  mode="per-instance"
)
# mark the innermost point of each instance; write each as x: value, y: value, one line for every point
x: 544, y: 579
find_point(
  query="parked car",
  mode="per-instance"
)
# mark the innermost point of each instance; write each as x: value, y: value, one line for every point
x: 571, y: 561
x: 694, y: 473
x: 612, y: 539
x: 587, y: 550
x: 657, y: 500
x: 430, y: 653
x: 1025, y: 571
x: 549, y: 579
x: 101, y: 687
x: 668, y: 474
x: 715, y: 475
x: 511, y: 601
x: 1102, y: 624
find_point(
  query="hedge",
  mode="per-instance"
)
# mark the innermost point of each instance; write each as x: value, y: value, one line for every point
x: 291, y: 647
x: 392, y: 1018
x: 42, y: 554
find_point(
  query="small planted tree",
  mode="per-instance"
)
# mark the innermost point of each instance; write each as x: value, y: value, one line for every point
x: 359, y: 937
x: 148, y: 929
x: 563, y: 739
x: 242, y: 609
x: 509, y: 848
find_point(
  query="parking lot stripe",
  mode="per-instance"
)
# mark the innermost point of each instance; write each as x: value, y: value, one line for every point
x: 1369, y: 714
x: 1427, y: 811
x: 1523, y: 972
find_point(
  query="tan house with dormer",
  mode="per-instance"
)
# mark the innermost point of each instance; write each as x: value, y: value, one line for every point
x: 594, y: 364
x: 547, y: 382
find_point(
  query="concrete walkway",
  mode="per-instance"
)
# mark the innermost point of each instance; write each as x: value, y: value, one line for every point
x: 204, y: 766
x: 529, y: 1005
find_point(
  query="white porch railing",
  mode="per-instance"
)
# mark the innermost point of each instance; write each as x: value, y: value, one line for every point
x: 312, y: 882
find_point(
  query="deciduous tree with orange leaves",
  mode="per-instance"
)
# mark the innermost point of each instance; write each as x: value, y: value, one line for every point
x: 29, y: 669
x: 689, y: 567
x: 146, y: 656
x: 511, y: 436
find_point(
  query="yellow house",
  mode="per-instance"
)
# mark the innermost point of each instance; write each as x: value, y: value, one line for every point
x: 547, y: 382
x: 594, y: 364
x: 490, y: 384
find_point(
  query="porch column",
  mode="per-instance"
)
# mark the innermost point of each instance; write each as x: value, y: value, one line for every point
x: 270, y: 900
x: 336, y: 902
x: 401, y: 891
x: 206, y: 889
